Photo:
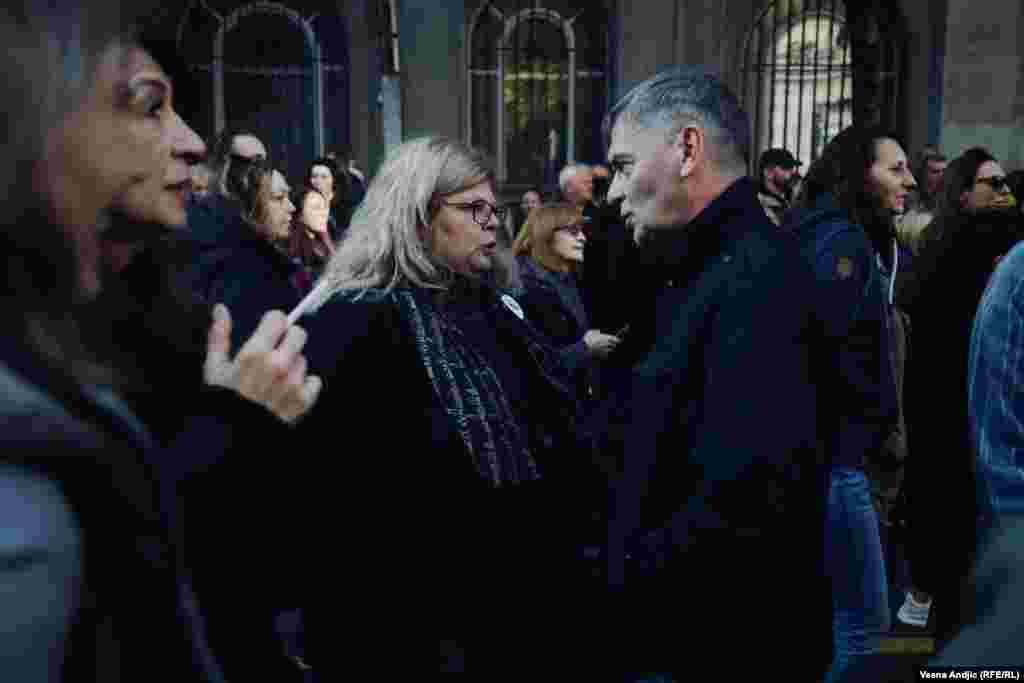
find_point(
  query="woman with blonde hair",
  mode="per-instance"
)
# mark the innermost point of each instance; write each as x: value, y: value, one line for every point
x: 550, y: 251
x: 465, y: 515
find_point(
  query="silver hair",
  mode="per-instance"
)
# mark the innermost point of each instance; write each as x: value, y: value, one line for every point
x: 568, y: 173
x: 384, y: 246
x: 688, y: 95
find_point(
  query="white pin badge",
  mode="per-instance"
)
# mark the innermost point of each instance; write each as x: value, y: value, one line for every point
x: 513, y: 305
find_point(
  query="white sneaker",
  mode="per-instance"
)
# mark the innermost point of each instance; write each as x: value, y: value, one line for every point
x: 913, y: 612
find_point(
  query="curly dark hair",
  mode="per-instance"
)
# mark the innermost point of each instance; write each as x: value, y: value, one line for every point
x: 842, y: 171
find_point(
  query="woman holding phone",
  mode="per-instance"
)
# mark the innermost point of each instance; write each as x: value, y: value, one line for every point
x: 550, y: 250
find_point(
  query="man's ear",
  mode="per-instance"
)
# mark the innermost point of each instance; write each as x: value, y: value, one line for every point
x: 691, y: 148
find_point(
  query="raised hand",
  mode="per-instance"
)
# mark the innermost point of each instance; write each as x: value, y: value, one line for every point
x: 269, y: 369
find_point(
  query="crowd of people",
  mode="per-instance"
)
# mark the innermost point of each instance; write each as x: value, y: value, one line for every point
x: 257, y: 431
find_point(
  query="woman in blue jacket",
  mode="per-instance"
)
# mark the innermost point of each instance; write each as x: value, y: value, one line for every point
x: 845, y: 226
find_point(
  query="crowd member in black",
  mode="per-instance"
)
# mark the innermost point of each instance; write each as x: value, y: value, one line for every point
x: 609, y: 255
x: 152, y: 329
x: 976, y: 223
x: 465, y: 493
x: 83, y: 481
x: 229, y: 156
x: 550, y: 248
x: 310, y: 244
x: 717, y: 428
x: 778, y: 169
x: 249, y: 269
x: 333, y: 182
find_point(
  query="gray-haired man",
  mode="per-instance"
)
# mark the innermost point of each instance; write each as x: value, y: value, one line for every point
x: 717, y: 518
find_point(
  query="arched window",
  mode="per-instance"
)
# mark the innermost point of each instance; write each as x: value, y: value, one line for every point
x: 797, y: 79
x: 538, y: 82
x: 266, y: 68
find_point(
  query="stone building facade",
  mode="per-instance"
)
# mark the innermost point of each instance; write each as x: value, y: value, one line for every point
x: 529, y: 79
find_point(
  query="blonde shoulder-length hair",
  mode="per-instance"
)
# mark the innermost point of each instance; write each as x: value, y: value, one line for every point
x: 384, y: 247
x: 537, y: 236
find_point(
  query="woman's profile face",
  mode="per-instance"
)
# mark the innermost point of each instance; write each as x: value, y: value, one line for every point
x: 276, y: 206
x: 161, y: 198
x: 315, y: 212
x: 889, y: 178
x: 321, y: 178
x: 567, y: 242
x: 110, y: 145
x: 989, y: 190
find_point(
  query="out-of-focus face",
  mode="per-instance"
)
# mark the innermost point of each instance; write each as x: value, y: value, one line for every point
x: 459, y: 241
x: 161, y: 198
x: 990, y: 190
x: 321, y: 178
x: 934, y: 171
x: 277, y: 206
x: 201, y: 179
x: 580, y: 187
x: 116, y: 142
x: 645, y: 179
x: 531, y: 200
x: 781, y: 179
x: 889, y: 178
x: 567, y: 242
x: 248, y: 147
x: 315, y: 211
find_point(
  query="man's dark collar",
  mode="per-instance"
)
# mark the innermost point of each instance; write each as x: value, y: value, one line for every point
x: 709, y: 231
x: 764, y: 189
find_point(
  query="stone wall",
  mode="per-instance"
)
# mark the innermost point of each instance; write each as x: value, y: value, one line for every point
x: 984, y: 80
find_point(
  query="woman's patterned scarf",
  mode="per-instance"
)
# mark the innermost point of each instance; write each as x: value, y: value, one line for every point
x: 469, y: 390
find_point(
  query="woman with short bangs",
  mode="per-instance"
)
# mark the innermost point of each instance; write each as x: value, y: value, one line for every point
x: 550, y: 251
x: 462, y: 490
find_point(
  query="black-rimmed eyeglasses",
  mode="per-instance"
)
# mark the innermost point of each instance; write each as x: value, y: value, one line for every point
x: 482, y: 211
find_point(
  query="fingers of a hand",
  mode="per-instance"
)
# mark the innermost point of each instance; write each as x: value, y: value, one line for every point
x: 311, y: 389
x: 288, y: 389
x: 260, y: 373
x: 291, y: 345
x: 300, y: 403
x: 285, y: 396
x: 273, y: 326
x: 262, y: 370
x: 218, y: 342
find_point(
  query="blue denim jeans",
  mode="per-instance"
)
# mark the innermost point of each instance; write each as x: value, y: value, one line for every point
x: 853, y: 556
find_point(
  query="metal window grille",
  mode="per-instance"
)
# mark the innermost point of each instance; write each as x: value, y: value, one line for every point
x: 797, y: 77
x: 388, y: 37
x: 245, y: 60
x: 537, y: 81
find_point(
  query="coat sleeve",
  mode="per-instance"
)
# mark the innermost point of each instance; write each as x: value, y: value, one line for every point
x: 995, y: 374
x: 40, y: 563
x: 549, y: 317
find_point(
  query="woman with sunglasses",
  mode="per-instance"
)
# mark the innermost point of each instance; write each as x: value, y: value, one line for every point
x: 975, y: 224
x: 550, y: 250
x: 464, y: 498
